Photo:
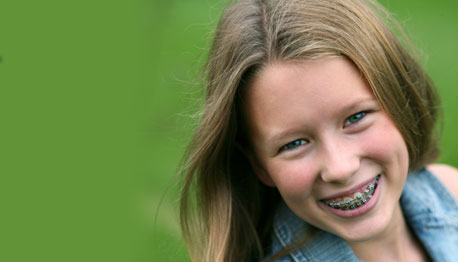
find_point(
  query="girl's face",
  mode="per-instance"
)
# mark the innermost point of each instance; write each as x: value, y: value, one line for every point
x: 320, y: 137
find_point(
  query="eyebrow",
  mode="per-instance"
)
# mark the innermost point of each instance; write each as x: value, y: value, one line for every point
x: 273, y: 140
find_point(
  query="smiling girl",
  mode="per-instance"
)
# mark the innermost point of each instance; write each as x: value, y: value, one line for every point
x: 316, y: 142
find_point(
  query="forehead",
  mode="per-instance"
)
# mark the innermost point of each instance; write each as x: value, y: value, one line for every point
x: 312, y: 81
x: 288, y: 94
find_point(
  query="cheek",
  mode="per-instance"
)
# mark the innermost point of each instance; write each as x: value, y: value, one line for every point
x: 294, y: 179
x: 386, y: 144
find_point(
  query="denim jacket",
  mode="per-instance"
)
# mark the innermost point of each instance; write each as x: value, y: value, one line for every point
x: 429, y: 208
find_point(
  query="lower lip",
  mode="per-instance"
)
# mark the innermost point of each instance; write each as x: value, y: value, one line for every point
x: 360, y: 210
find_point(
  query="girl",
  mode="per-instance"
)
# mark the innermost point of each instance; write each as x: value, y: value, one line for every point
x: 315, y: 135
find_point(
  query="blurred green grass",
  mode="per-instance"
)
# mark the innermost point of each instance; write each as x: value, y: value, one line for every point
x: 95, y: 102
x: 433, y: 27
x: 176, y: 37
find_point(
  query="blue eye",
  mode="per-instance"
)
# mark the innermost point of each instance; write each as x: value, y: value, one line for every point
x: 294, y: 144
x: 355, y: 118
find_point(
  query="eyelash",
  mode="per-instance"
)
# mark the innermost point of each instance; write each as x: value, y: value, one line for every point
x: 349, y: 121
x: 360, y: 116
x: 294, y: 144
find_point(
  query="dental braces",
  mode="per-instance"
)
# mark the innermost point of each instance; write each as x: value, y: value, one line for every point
x: 359, y: 200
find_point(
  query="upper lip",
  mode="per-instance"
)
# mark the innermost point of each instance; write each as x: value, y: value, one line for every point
x: 349, y: 191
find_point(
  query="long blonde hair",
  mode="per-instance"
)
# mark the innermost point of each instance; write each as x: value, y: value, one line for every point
x: 226, y: 214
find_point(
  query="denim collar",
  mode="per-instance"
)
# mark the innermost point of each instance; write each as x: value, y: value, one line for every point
x: 432, y: 212
x: 428, y: 207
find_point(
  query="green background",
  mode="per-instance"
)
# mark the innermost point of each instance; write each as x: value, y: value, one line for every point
x: 96, y: 99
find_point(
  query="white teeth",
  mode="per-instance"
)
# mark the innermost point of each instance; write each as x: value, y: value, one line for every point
x: 359, y: 198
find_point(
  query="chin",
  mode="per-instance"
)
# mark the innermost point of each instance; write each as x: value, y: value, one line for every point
x: 364, y: 232
x: 369, y: 227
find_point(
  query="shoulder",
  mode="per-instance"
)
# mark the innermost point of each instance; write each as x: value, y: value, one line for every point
x: 448, y: 175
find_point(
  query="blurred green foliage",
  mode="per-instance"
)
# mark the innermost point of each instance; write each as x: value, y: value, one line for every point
x: 96, y: 99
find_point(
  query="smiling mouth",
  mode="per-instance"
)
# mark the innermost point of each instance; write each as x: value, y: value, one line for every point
x: 358, y: 199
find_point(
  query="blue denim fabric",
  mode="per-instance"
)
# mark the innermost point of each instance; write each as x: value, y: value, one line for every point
x: 428, y: 207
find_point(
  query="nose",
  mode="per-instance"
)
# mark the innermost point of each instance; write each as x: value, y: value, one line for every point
x: 340, y: 160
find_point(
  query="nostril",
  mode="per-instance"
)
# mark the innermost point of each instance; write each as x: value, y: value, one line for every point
x: 339, y: 170
x: 339, y: 160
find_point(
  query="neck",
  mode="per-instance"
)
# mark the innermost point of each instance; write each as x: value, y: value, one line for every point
x: 396, y: 243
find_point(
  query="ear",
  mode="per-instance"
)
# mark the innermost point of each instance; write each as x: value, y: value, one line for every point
x: 260, y: 172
